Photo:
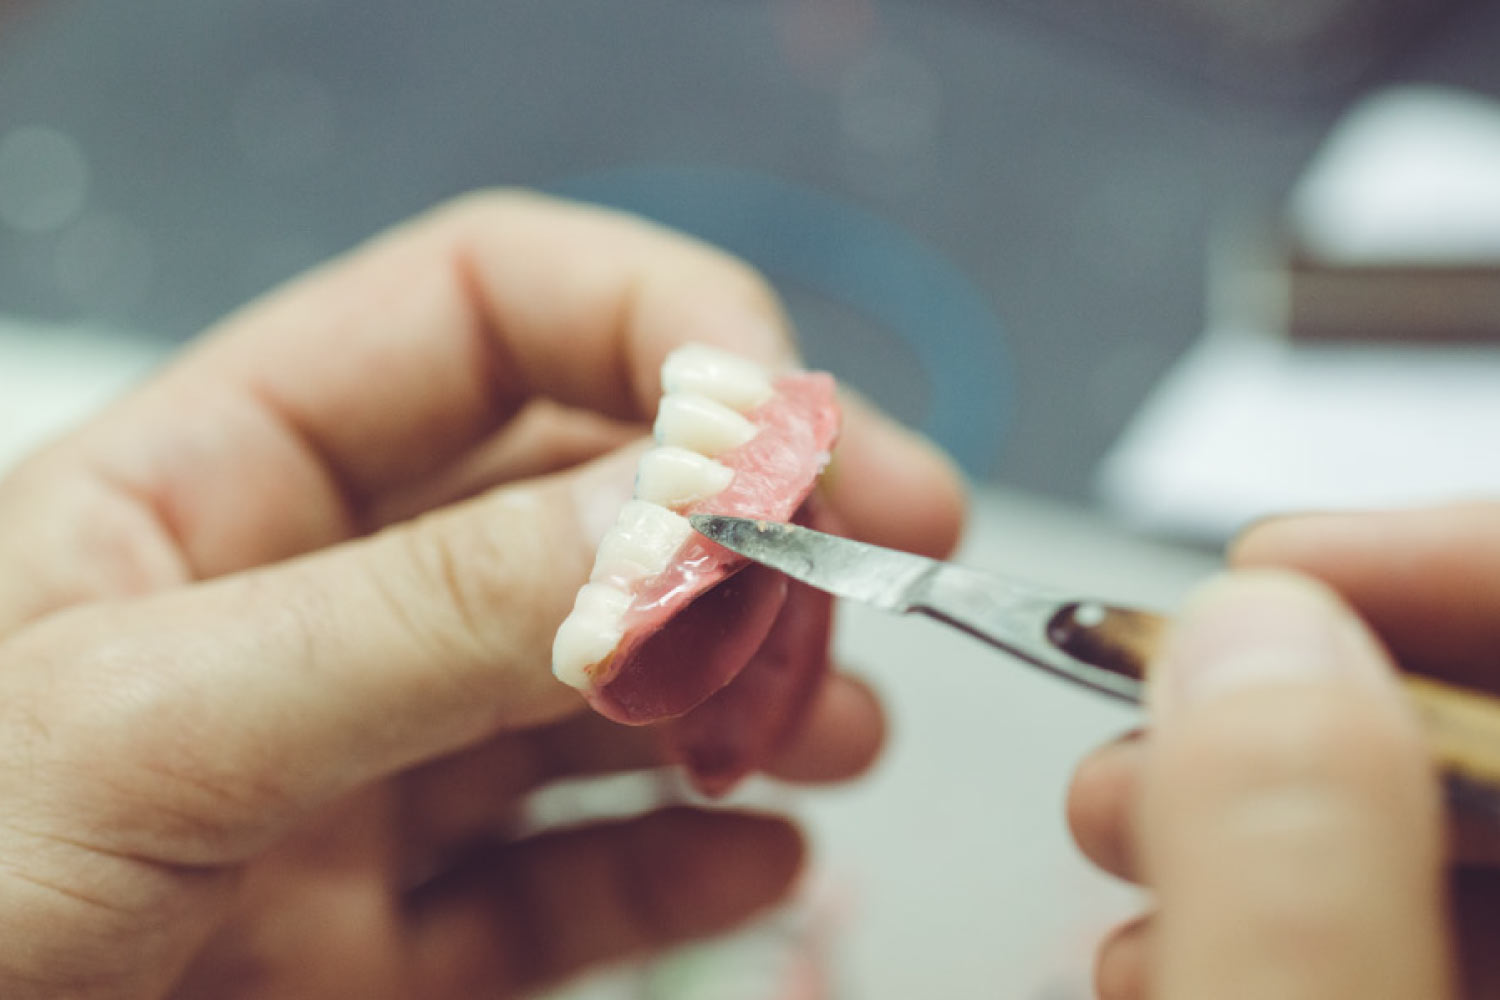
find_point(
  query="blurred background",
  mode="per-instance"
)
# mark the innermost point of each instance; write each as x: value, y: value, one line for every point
x: 1131, y: 261
x: 1013, y: 198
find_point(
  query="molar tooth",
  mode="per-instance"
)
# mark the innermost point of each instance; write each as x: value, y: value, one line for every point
x: 590, y: 633
x: 675, y: 477
x: 641, y: 544
x: 701, y: 424
x: 737, y: 382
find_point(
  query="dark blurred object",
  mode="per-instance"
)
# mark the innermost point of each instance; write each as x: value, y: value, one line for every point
x: 1275, y: 47
x: 1279, y: 286
x: 1421, y: 303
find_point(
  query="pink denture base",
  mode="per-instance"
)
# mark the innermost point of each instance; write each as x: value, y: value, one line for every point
x: 692, y: 628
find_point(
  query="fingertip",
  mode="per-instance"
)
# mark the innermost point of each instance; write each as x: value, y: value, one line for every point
x: 1101, y: 798
x: 1284, y: 539
x: 750, y: 860
x: 1422, y: 577
x: 1120, y: 967
x: 892, y: 486
x: 841, y: 737
x: 1325, y: 543
x: 727, y: 308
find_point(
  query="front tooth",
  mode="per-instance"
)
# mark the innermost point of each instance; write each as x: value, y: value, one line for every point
x: 581, y: 643
x: 601, y: 601
x: 641, y: 544
x: 675, y: 477
x: 736, y: 382
x: 701, y: 424
x: 590, y: 633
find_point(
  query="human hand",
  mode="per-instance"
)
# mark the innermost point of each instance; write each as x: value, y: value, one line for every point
x: 1289, y: 829
x: 275, y: 631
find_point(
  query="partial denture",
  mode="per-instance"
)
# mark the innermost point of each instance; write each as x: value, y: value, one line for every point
x: 700, y: 370
x: 676, y: 477
x: 731, y: 438
x: 641, y: 544
x: 701, y: 424
x: 707, y: 393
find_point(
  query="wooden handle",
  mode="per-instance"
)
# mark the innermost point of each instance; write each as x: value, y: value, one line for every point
x: 1462, y: 725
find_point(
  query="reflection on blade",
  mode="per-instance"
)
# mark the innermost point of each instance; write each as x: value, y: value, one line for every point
x: 868, y: 573
x: 1007, y: 614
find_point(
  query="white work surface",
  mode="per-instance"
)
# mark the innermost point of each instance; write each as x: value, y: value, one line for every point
x: 966, y: 883
x: 957, y: 873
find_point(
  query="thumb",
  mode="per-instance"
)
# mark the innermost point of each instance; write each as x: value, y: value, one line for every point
x: 232, y: 709
x: 1290, y: 825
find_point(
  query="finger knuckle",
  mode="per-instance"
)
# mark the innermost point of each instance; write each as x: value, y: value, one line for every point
x: 501, y: 207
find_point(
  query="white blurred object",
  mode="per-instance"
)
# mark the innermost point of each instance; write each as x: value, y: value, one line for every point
x: 1250, y: 423
x: 1247, y: 425
x: 53, y: 376
x: 1410, y: 176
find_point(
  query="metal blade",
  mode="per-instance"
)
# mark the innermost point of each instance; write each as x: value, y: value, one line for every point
x: 1010, y: 615
x: 881, y: 577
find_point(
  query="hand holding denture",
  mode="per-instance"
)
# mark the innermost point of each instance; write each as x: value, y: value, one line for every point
x: 276, y: 629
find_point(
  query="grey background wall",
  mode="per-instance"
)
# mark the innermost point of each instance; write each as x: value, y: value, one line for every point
x: 991, y: 216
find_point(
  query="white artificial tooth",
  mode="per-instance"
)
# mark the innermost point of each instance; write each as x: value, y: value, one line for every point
x: 590, y: 633
x: 737, y: 382
x: 701, y: 424
x: 675, y: 477
x: 602, y: 601
x: 641, y: 544
x: 581, y: 642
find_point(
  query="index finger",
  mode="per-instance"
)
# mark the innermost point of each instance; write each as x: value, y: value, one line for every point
x: 396, y: 359
x: 1427, y: 580
x: 282, y: 430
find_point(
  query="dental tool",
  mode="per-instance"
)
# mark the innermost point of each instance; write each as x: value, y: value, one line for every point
x: 1100, y: 646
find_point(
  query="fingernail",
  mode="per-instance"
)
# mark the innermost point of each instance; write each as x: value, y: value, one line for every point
x: 1261, y: 628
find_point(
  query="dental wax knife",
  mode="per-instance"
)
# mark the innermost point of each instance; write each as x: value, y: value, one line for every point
x: 1101, y: 646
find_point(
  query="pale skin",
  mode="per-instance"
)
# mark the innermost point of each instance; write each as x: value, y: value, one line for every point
x: 1281, y: 807
x: 275, y: 631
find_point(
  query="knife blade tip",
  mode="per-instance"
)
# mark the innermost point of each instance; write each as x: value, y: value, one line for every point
x: 729, y: 530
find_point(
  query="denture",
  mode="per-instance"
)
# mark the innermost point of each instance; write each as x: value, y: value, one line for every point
x: 671, y: 626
